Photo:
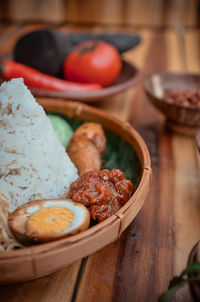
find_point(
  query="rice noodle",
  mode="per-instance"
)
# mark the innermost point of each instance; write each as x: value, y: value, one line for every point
x: 7, y: 241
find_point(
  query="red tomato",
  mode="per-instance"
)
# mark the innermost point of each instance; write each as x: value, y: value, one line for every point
x: 93, y: 62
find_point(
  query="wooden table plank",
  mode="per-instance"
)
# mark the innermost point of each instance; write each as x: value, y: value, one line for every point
x: 56, y: 287
x: 186, y: 204
x: 99, y: 275
x: 187, y: 179
x: 192, y: 43
x: 156, y: 242
x: 187, y: 210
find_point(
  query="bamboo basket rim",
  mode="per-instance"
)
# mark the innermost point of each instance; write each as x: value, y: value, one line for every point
x: 145, y: 176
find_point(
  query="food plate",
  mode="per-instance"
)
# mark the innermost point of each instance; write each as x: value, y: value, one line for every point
x: 36, y: 261
x: 128, y: 77
x: 185, y: 120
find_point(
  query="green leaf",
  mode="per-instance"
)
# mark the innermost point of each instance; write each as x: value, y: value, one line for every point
x: 178, y: 282
x: 192, y: 268
x: 167, y: 296
x: 175, y: 281
x: 120, y: 155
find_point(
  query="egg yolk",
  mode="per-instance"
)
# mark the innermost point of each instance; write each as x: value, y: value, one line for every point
x: 49, y: 221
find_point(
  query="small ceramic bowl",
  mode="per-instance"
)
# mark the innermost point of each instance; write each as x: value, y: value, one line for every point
x: 195, y: 285
x: 185, y: 120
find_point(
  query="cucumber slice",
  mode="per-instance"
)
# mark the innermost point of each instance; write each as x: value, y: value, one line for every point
x: 62, y: 128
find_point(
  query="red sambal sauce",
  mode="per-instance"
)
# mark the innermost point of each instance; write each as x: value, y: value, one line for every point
x: 103, y: 192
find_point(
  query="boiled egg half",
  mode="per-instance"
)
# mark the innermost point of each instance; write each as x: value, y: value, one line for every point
x: 46, y: 220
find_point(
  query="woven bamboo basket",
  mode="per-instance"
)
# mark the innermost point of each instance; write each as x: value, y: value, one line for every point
x: 40, y: 260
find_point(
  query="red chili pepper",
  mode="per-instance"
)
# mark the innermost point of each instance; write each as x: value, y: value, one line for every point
x: 34, y: 78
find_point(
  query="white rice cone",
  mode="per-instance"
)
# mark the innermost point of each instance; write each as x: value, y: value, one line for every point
x: 33, y: 162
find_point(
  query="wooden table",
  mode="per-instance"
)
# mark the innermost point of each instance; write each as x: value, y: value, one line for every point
x: 155, y: 247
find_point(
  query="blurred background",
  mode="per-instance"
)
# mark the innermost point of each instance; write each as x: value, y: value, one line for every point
x: 104, y: 12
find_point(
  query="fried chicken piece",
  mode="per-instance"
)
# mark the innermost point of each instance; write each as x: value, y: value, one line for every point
x: 86, y: 147
x: 94, y: 132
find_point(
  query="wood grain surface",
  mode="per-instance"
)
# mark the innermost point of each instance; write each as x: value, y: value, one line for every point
x: 105, y: 12
x: 156, y: 246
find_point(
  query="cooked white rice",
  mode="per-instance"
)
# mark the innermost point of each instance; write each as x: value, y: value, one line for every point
x: 33, y: 163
